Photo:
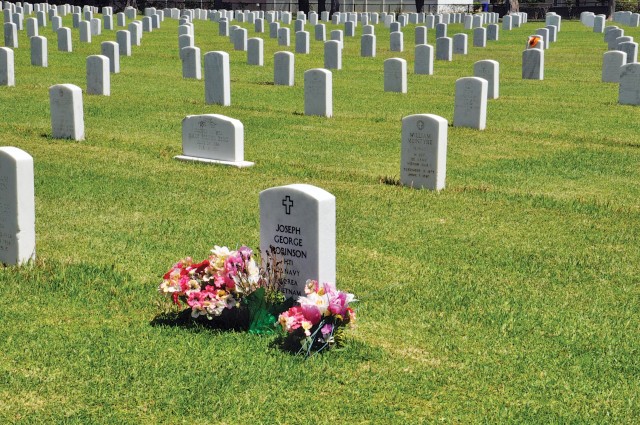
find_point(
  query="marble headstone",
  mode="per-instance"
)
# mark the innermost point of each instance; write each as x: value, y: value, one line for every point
x: 67, y: 116
x: 298, y: 224
x: 423, y: 160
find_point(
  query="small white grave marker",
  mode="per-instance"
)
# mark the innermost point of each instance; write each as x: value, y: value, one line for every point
x: 214, y: 139
x: 423, y: 160
x: 17, y: 207
x: 67, y: 116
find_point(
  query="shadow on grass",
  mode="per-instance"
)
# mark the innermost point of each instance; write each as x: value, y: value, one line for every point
x: 236, y: 320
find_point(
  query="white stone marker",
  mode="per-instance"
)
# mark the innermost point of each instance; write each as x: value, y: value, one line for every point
x: 96, y: 26
x: 121, y: 19
x: 191, y: 67
x: 274, y: 27
x: 423, y: 158
x: 318, y: 92
x: 493, y: 32
x: 396, y: 41
x: 17, y: 207
x: 11, y: 35
x: 39, y: 51
x: 544, y: 33
x: 423, y: 59
x: 395, y: 75
x: 631, y: 49
x: 64, y: 40
x: 217, y: 78
x: 299, y: 222
x: 111, y: 50
x: 629, y: 91
x: 107, y: 22
x: 420, y: 36
x: 67, y: 116
x: 612, y: 61
x: 599, y: 23
x: 283, y: 69
x: 368, y: 46
x: 444, y: 50
x: 533, y: 64
x: 302, y: 42
x: 471, y: 103
x: 98, y: 79
x: 85, y: 31
x: 214, y: 139
x: 320, y: 32
x: 283, y: 37
x: 240, y: 39
x: 333, y: 54
x: 479, y: 37
x: 460, y: 44
x: 32, y: 27
x: 507, y: 23
x: 135, y: 29
x: 441, y: 30
x: 255, y: 51
x: 123, y: 38
x: 490, y: 71
x: 7, y: 67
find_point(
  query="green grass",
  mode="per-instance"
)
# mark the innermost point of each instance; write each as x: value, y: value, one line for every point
x: 511, y: 296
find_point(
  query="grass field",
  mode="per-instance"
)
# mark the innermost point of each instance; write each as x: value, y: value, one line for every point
x: 511, y: 296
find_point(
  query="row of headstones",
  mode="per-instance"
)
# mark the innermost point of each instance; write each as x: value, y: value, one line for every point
x: 297, y: 223
x: 626, y: 18
x: 620, y: 65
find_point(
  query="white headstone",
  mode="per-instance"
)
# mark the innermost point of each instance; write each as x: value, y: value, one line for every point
x: 111, y: 50
x: 533, y: 64
x: 123, y: 38
x: 302, y: 42
x: 299, y: 222
x: 423, y: 59
x: 460, y: 44
x: 64, y: 40
x: 631, y: 49
x: 213, y: 138
x: 629, y: 90
x: 7, y: 67
x: 255, y: 52
x: 333, y: 54
x: 396, y: 41
x: 39, y: 55
x: 85, y: 31
x: 490, y: 71
x: 471, y: 103
x: 283, y: 37
x: 191, y: 67
x: 611, y: 63
x: 368, y: 45
x: 283, y: 69
x: 17, y: 207
x: 420, y: 36
x: 423, y: 159
x: 493, y: 31
x: 320, y: 32
x: 11, y: 35
x: 217, y: 78
x: 240, y: 39
x: 444, y: 50
x: 318, y: 92
x: 395, y: 75
x: 98, y: 80
x: 67, y: 116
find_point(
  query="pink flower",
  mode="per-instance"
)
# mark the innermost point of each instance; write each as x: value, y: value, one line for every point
x: 311, y: 313
x: 326, y: 330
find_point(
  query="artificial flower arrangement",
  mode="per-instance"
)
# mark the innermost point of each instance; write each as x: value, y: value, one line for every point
x: 231, y: 290
x: 318, y: 321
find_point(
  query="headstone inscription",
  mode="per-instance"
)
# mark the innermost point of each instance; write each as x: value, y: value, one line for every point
x: 17, y: 207
x: 298, y: 224
x: 213, y: 139
x: 423, y: 158
x: 67, y: 116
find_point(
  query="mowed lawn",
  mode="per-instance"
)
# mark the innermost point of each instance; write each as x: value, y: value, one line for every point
x: 513, y: 295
